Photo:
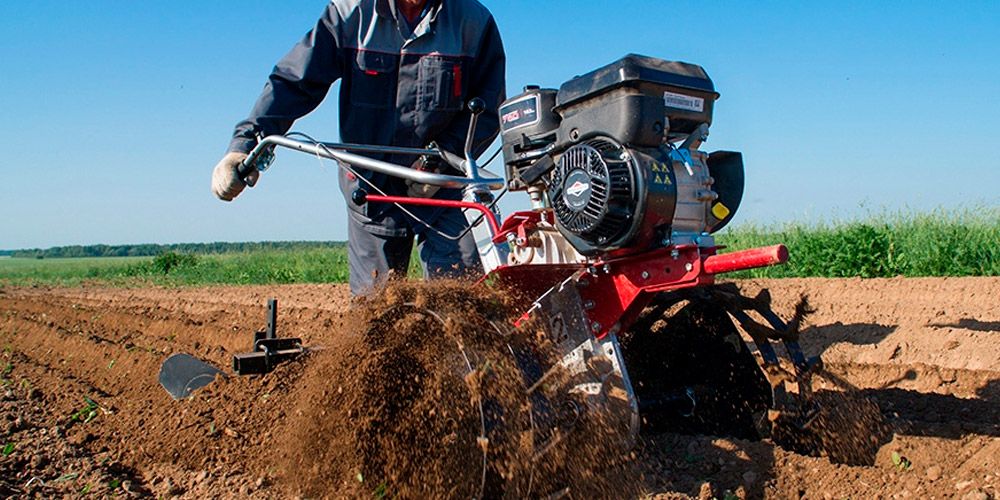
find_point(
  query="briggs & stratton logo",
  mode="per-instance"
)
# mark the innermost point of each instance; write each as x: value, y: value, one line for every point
x: 578, y: 188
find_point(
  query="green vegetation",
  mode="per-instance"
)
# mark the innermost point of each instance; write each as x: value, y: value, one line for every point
x: 152, y: 250
x: 902, y: 463
x: 174, y: 269
x: 87, y: 413
x: 932, y: 244
x: 64, y: 271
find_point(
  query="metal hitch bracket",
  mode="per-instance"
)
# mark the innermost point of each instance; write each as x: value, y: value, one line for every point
x: 268, y: 350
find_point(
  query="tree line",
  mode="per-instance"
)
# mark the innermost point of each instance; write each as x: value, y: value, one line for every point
x: 150, y: 249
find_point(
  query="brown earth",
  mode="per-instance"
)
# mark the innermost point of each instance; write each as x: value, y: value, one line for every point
x: 82, y: 412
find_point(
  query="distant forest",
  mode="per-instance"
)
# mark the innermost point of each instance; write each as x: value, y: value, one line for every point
x: 150, y: 250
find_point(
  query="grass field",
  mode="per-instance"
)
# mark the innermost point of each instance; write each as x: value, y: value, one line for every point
x: 171, y: 269
x: 64, y: 271
x: 940, y: 243
x: 933, y: 244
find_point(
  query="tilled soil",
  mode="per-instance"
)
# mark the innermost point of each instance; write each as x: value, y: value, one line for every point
x: 81, y: 410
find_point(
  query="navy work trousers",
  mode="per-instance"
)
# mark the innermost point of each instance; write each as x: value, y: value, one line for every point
x: 374, y: 259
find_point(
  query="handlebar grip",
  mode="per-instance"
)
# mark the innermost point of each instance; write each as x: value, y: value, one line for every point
x: 245, y: 169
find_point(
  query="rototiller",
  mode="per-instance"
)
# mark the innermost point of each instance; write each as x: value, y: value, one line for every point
x: 616, y: 259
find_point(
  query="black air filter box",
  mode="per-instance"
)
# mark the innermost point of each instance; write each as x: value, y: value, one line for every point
x: 631, y: 100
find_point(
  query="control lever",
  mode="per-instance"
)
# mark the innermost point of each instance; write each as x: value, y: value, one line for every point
x: 476, y: 107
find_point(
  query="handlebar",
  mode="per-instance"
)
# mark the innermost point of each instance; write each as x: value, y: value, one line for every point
x: 262, y: 155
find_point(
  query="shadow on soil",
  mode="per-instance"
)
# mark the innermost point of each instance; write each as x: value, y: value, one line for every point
x: 817, y: 339
x: 678, y: 463
x: 940, y: 415
x: 695, y: 464
x: 913, y: 412
x: 972, y: 324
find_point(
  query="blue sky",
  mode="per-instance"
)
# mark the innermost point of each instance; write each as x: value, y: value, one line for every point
x: 113, y: 113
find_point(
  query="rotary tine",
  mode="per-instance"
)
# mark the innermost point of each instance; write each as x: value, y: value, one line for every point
x: 792, y: 390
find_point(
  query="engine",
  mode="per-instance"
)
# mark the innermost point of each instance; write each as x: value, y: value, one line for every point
x: 614, y: 156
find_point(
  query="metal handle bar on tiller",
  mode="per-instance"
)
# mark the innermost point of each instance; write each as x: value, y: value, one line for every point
x: 340, y: 152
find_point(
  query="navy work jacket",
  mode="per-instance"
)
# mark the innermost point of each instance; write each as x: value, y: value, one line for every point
x: 399, y: 86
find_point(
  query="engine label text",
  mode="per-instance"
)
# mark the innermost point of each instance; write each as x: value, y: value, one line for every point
x: 685, y: 102
x: 519, y: 113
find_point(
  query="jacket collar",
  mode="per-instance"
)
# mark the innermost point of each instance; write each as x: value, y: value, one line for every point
x: 387, y: 9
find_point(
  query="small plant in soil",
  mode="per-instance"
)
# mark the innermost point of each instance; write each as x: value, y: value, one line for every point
x: 902, y: 463
x: 87, y: 413
x: 8, y: 449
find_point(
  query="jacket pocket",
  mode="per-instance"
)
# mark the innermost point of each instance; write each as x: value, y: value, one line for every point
x: 441, y: 83
x: 373, y: 80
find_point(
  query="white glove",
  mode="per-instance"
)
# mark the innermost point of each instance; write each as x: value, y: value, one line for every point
x: 226, y: 183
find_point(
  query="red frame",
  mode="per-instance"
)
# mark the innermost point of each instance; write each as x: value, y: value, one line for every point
x: 490, y: 217
x: 616, y: 290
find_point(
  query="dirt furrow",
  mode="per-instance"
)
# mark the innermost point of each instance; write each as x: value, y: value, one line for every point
x: 924, y: 350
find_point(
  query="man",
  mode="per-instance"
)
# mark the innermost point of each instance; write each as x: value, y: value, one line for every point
x: 407, y: 69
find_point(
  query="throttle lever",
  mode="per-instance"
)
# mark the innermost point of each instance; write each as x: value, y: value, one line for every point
x: 476, y: 107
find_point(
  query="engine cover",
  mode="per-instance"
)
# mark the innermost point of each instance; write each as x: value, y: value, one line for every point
x: 606, y: 196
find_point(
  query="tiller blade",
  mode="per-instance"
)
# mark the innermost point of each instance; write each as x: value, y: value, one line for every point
x: 182, y: 374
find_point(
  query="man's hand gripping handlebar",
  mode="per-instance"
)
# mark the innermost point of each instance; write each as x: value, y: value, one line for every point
x: 348, y: 156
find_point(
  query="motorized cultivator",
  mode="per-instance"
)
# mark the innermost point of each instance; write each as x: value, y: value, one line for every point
x: 615, y: 261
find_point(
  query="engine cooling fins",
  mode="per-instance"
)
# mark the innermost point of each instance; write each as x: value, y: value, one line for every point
x: 593, y: 191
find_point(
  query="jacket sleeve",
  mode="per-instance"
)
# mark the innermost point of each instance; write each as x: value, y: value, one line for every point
x: 488, y: 82
x: 297, y: 85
